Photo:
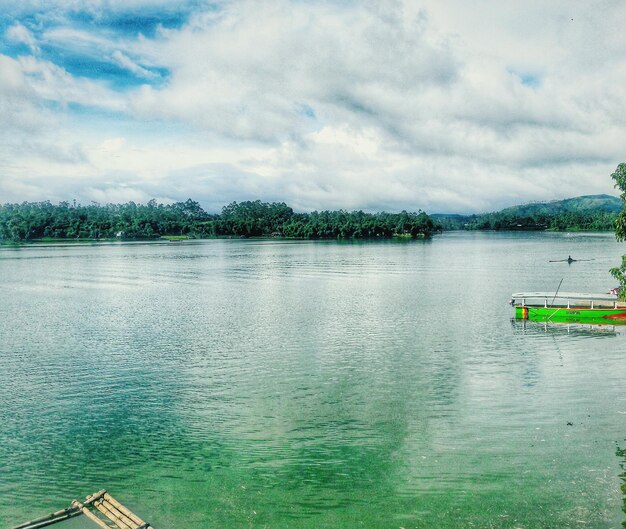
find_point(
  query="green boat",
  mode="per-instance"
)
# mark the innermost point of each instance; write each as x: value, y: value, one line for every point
x: 602, y: 309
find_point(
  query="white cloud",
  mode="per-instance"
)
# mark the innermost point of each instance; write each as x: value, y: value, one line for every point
x: 78, y: 40
x: 35, y: 141
x: 403, y: 104
x: 246, y: 72
x: 243, y: 74
x: 21, y: 34
x: 116, y: 194
x: 128, y: 64
x: 18, y: 100
x: 52, y: 83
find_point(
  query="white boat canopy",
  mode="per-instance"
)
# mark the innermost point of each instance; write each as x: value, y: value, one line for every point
x: 565, y: 295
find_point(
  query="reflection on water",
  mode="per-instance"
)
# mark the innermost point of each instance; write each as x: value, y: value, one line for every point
x: 621, y: 453
x: 580, y: 329
x: 309, y: 384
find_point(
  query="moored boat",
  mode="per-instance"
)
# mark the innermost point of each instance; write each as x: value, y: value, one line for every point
x: 569, y: 306
x: 101, y: 508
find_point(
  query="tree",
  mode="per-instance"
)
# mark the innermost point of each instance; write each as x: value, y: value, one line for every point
x: 33, y: 220
x: 619, y: 272
x: 620, y: 181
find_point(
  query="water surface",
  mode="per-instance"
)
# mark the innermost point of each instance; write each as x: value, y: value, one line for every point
x: 296, y: 384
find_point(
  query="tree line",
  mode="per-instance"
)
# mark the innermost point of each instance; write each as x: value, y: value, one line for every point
x: 558, y: 221
x: 41, y: 220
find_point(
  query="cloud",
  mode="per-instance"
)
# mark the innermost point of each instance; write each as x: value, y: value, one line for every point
x: 52, y: 83
x: 125, y: 62
x: 401, y: 104
x: 36, y: 141
x: 97, y: 55
x: 116, y: 194
x: 21, y: 34
x: 245, y: 71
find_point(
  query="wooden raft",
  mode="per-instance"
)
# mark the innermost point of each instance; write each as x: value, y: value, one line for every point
x: 101, y: 508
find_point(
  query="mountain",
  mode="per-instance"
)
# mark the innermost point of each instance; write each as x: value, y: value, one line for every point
x: 586, y: 203
x: 589, y: 212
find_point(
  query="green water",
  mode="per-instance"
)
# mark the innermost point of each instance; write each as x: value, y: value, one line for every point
x: 271, y: 384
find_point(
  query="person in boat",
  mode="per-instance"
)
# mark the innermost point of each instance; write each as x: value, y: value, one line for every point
x: 570, y: 260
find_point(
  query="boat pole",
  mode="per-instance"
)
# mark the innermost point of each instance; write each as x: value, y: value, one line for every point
x: 557, y: 291
x: 50, y: 519
x: 552, y: 303
x: 74, y: 509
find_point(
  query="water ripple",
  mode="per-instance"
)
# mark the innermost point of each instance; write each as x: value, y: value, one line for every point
x: 308, y: 384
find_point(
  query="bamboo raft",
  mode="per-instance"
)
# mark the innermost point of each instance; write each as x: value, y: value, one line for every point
x: 101, y: 508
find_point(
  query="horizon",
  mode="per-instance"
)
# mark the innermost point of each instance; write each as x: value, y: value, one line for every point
x: 443, y: 107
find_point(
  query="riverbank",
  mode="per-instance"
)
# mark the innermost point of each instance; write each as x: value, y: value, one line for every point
x: 183, y: 238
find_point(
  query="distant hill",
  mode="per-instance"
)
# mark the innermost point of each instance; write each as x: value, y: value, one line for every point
x: 589, y: 212
x: 605, y: 203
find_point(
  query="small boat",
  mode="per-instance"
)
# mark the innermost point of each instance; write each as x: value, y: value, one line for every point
x: 569, y: 307
x: 102, y: 509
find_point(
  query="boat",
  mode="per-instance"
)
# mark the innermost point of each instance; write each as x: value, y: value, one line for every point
x: 569, y: 307
x: 101, y: 508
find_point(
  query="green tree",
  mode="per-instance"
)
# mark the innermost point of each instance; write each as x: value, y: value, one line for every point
x: 33, y: 220
x: 619, y: 272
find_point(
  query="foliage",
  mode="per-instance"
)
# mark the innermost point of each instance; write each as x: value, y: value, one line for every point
x: 608, y: 203
x: 506, y: 220
x: 620, y: 182
x: 36, y: 220
x: 585, y: 213
x: 619, y: 272
x: 252, y: 219
x: 39, y: 220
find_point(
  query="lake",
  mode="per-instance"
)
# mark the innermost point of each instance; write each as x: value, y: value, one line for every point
x: 302, y: 384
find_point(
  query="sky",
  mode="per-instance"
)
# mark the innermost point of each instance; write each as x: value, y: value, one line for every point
x: 447, y: 106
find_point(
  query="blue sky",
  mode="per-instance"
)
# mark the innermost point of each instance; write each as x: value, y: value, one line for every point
x: 322, y: 104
